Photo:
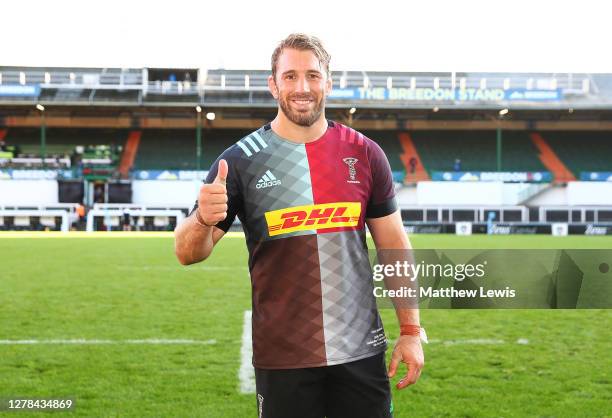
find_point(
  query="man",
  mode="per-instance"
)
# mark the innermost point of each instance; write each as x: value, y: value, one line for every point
x: 304, y: 188
x: 413, y: 163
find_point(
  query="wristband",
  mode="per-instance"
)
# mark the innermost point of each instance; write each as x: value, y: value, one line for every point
x: 413, y: 330
x: 200, y: 221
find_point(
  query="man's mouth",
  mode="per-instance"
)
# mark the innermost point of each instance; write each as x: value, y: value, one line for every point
x: 302, y: 101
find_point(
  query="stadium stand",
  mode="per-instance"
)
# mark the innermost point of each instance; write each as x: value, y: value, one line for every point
x: 129, y: 153
x: 390, y: 144
x: 582, y: 151
x: 176, y: 149
x: 101, y: 147
x: 415, y: 170
x: 550, y: 159
x: 476, y: 150
x: 556, y: 155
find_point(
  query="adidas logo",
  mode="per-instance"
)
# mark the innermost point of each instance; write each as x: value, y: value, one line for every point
x: 267, y: 180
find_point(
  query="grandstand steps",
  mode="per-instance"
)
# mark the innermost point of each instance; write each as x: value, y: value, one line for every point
x: 553, y: 195
x: 129, y: 153
x: 420, y: 173
x: 532, y: 191
x: 560, y: 173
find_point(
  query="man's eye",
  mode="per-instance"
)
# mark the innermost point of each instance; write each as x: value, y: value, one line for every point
x: 290, y: 77
x: 314, y: 76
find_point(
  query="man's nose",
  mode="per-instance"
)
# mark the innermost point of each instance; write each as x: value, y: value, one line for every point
x: 302, y: 85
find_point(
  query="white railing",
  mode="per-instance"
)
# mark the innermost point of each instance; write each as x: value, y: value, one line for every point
x: 119, y: 79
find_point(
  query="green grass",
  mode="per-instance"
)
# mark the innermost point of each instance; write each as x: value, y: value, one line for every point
x: 132, y: 288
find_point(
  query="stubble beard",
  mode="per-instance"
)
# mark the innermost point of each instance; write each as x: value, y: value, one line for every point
x: 305, y: 119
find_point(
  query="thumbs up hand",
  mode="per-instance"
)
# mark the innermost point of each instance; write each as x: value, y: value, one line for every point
x: 212, y: 201
x: 221, y: 173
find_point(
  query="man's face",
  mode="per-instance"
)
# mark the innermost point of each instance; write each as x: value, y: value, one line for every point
x: 301, y: 86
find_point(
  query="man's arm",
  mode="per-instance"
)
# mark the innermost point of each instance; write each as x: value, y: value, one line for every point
x: 195, y: 237
x: 193, y: 242
x: 388, y: 234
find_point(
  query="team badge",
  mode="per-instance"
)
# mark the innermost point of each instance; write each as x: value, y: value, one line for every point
x: 351, y: 161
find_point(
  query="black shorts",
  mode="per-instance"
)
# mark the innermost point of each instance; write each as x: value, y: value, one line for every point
x: 359, y: 389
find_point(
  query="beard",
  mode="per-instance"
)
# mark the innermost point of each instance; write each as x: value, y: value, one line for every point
x: 307, y: 118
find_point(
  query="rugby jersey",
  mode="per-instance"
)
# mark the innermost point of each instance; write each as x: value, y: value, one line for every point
x: 303, y: 209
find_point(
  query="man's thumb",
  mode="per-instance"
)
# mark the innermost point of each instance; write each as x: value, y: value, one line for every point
x: 222, y: 173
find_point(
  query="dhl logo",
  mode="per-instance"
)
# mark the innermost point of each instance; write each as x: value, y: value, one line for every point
x: 310, y: 217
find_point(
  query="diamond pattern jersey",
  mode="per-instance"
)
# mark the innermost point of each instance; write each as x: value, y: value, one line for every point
x: 303, y: 209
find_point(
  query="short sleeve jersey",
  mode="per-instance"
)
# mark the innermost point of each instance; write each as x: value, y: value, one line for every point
x: 303, y: 209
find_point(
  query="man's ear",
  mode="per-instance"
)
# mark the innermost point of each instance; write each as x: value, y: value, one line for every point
x: 328, y: 85
x: 272, y: 87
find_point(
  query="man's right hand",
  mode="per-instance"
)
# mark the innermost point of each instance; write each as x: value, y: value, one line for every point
x: 212, y: 202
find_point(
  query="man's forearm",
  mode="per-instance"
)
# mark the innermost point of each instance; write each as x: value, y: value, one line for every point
x: 192, y: 242
x: 400, y: 249
x: 407, y: 316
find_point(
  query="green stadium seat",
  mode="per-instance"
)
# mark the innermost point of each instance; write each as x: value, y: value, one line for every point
x: 389, y: 142
x: 477, y: 150
x: 582, y: 151
x: 176, y: 149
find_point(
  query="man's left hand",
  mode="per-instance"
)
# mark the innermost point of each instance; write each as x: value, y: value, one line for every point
x: 408, y: 350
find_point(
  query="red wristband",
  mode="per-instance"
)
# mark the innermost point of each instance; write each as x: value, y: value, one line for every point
x: 413, y: 330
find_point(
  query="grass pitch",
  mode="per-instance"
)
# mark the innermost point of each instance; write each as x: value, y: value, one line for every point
x: 125, y: 295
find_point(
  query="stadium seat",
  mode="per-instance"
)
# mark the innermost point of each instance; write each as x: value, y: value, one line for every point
x: 61, y: 142
x: 389, y: 142
x: 582, y: 151
x: 176, y: 149
x: 476, y: 150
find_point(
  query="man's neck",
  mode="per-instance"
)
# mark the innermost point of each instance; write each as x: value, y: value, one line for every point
x: 284, y: 128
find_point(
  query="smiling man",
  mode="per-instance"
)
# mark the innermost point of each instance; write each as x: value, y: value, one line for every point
x: 304, y: 189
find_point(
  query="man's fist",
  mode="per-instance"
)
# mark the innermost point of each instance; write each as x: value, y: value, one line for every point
x: 212, y: 202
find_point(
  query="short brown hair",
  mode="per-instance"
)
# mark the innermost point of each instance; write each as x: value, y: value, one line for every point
x: 302, y: 42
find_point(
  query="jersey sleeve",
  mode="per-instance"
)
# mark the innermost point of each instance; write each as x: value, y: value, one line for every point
x: 234, y: 197
x: 382, y: 200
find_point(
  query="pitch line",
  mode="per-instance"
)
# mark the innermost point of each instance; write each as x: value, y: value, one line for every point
x: 80, y: 341
x: 246, y: 373
x: 473, y: 341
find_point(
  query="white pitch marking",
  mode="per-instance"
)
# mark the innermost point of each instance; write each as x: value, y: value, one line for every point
x: 246, y: 373
x: 179, y: 267
x: 152, y: 341
x: 477, y: 341
x: 473, y: 341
